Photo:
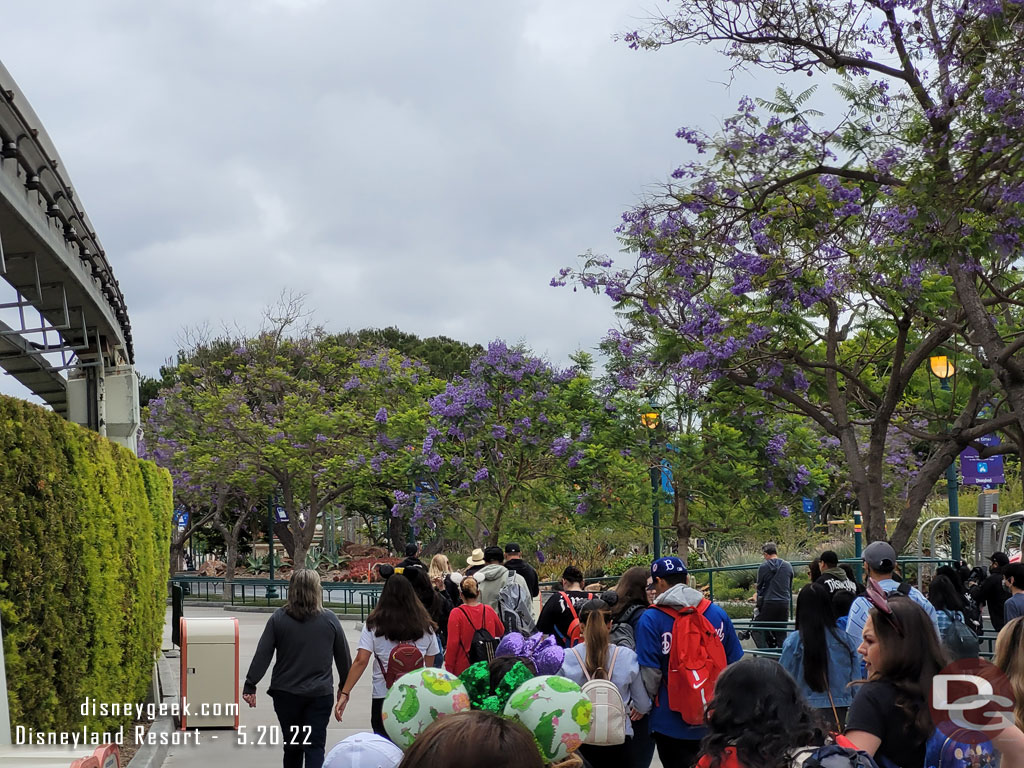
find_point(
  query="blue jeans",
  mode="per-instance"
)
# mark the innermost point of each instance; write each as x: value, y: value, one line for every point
x: 303, y: 722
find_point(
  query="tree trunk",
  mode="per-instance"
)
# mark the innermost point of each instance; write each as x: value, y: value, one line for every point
x: 284, y: 535
x: 984, y: 334
x: 177, y: 553
x: 681, y: 522
x: 396, y: 533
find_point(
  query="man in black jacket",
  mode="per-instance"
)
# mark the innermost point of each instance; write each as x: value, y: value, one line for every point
x: 835, y: 578
x: 514, y: 562
x: 991, y: 592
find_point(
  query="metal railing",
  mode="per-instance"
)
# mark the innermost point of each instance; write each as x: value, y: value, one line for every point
x: 343, y: 597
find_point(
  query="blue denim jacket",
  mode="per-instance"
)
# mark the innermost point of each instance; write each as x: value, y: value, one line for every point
x: 843, y: 668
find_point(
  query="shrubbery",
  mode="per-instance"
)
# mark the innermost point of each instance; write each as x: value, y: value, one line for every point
x: 84, y: 539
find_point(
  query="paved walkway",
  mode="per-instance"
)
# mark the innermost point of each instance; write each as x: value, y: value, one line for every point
x: 223, y: 748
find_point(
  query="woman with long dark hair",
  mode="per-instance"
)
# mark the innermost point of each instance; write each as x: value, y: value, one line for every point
x: 305, y: 639
x: 822, y: 659
x: 889, y: 717
x: 435, y: 601
x: 399, y: 618
x: 757, y: 718
x: 949, y: 606
x: 632, y: 591
x: 596, y: 659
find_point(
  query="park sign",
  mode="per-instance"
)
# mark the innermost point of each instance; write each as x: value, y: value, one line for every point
x: 978, y: 471
x: 180, y: 520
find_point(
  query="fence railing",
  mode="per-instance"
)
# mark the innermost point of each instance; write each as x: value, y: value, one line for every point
x: 343, y: 597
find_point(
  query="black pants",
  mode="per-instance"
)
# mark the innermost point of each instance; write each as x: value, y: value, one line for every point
x: 641, y: 746
x: 377, y: 718
x: 606, y: 757
x: 676, y: 753
x: 771, y: 612
x: 303, y: 722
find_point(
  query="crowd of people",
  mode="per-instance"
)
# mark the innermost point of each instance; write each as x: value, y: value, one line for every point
x: 653, y: 663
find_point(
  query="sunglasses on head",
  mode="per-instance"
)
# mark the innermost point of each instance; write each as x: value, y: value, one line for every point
x: 879, y: 600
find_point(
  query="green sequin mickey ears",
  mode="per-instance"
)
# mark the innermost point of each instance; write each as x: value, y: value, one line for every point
x: 477, y: 679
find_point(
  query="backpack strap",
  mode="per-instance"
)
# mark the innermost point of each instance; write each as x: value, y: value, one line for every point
x: 583, y: 664
x: 904, y: 588
x: 568, y: 602
x: 615, y: 655
x: 470, y: 619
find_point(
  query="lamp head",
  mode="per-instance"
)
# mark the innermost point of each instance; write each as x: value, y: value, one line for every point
x: 941, y: 367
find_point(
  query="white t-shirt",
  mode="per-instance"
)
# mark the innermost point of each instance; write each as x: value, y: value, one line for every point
x: 381, y: 648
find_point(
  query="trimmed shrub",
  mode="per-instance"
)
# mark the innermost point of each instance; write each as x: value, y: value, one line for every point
x: 83, y: 568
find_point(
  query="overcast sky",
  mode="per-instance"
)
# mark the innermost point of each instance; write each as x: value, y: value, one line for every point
x: 428, y: 165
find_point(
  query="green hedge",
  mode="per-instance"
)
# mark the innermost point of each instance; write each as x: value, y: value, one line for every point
x: 84, y: 537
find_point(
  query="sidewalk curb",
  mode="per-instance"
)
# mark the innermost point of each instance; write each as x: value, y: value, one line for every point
x: 154, y: 755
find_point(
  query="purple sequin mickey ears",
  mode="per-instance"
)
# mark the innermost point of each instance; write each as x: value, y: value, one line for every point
x: 542, y: 651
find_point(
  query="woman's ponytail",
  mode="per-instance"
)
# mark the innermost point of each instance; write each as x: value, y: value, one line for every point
x: 595, y: 635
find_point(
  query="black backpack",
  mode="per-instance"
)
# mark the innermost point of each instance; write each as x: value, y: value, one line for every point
x: 958, y: 638
x: 482, y: 645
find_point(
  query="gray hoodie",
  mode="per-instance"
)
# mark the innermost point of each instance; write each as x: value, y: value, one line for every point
x: 492, y: 578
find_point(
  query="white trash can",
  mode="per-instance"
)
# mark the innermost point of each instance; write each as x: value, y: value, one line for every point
x: 209, y: 673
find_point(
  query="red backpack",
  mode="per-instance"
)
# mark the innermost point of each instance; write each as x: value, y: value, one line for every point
x: 404, y: 657
x: 574, y: 634
x: 695, y: 660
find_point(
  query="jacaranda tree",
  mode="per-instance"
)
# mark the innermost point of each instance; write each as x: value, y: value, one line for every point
x: 817, y: 260
x: 514, y: 438
x: 298, y: 418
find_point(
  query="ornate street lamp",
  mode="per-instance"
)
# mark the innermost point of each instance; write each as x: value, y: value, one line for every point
x: 944, y: 370
x: 650, y: 418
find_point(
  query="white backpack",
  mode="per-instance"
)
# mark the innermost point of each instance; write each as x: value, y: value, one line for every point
x: 608, y: 717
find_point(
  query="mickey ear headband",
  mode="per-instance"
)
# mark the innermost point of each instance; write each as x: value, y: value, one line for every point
x: 477, y: 679
x: 541, y: 650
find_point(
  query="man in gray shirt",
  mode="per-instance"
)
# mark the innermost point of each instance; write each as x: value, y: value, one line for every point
x: 774, y: 592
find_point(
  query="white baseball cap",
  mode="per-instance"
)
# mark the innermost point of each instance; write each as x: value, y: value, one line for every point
x: 363, y: 750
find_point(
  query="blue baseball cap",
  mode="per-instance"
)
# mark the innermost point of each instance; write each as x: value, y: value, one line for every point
x: 666, y: 565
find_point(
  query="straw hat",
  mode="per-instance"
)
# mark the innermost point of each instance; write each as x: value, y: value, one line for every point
x: 477, y: 558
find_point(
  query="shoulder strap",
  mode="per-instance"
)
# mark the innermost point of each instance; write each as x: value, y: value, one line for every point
x: 568, y: 602
x: 583, y: 664
x: 469, y: 618
x: 703, y: 605
x: 615, y: 655
x: 904, y: 588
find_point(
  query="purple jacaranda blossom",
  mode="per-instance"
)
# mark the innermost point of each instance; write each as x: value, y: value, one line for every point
x: 382, y: 416
x: 560, y: 446
x: 481, y: 475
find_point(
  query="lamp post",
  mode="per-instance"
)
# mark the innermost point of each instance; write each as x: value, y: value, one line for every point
x: 271, y: 589
x: 650, y: 418
x: 944, y: 371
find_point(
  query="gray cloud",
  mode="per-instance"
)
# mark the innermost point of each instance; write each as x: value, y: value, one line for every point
x: 425, y: 165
